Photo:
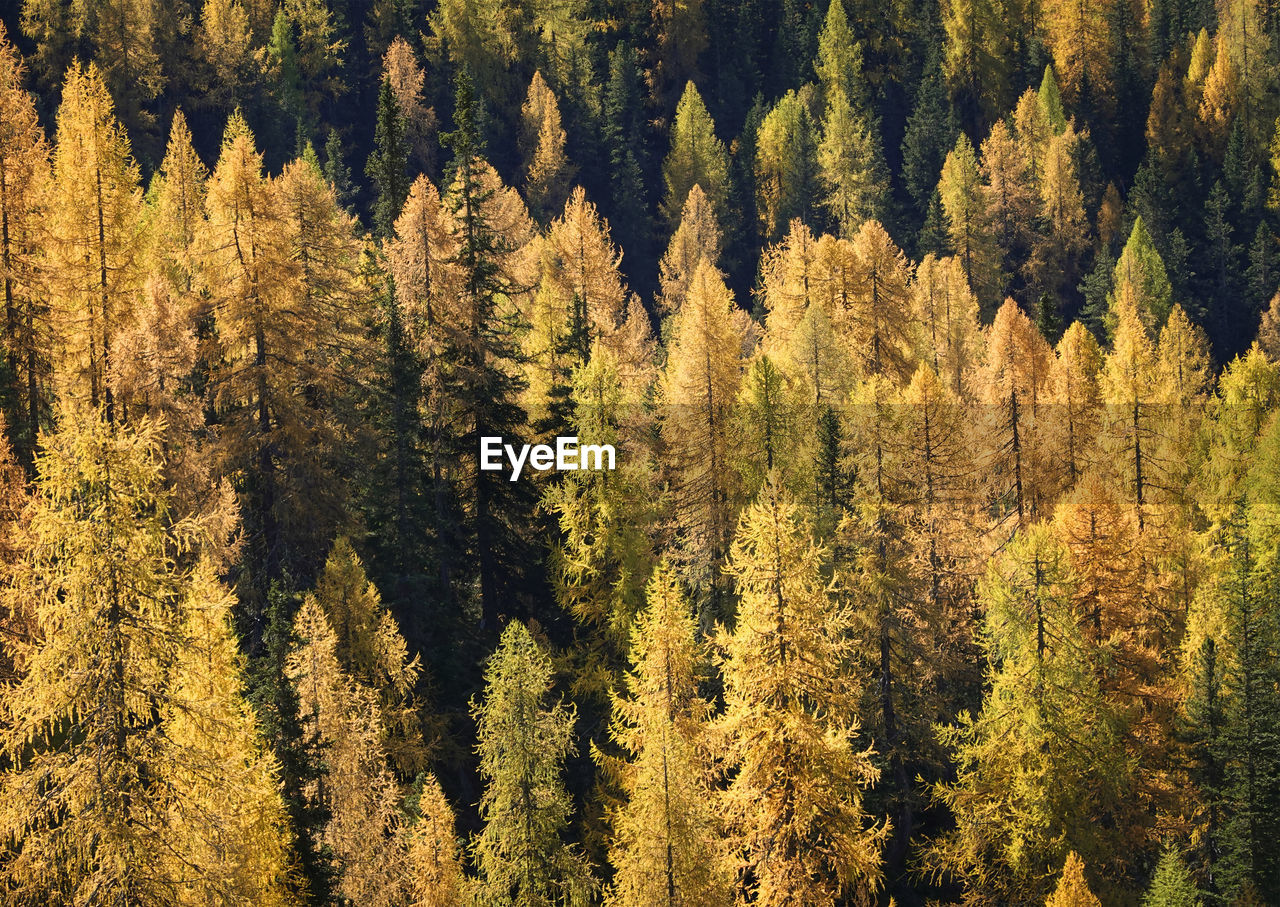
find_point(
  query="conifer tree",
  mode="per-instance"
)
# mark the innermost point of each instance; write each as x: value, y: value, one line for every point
x: 697, y: 238
x: 1053, y: 261
x: 667, y: 842
x: 1141, y: 279
x: 795, y: 804
x: 786, y: 167
x: 964, y: 199
x: 432, y: 862
x: 1073, y: 887
x: 945, y: 313
x: 699, y: 386
x: 929, y: 136
x: 1172, y: 885
x: 851, y: 168
x: 547, y: 171
x: 162, y: 795
x: 1013, y: 384
x: 839, y: 61
x: 1044, y: 757
x: 24, y: 176
x: 342, y: 728
x: 370, y: 649
x: 624, y: 136
x: 977, y: 59
x: 388, y: 164
x: 479, y: 380
x: 1076, y: 393
x: 876, y: 313
x: 523, y: 741
x: 1010, y: 192
x: 95, y: 241
x: 696, y: 158
x: 1129, y: 384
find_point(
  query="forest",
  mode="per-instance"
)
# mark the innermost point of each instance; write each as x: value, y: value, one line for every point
x: 939, y: 342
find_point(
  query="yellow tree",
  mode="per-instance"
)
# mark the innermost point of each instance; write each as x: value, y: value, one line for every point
x: 243, y: 856
x: 1053, y: 258
x: 95, y: 241
x: 433, y: 865
x: 697, y: 158
x: 875, y: 315
x: 162, y: 794
x: 342, y: 732
x: 1080, y: 38
x: 948, y: 337
x: 851, y: 169
x: 370, y: 649
x: 1011, y: 192
x: 795, y: 802
x: 1129, y: 383
x: 699, y: 386
x: 24, y: 177
x: 547, y: 171
x: 1076, y: 394
x: 1014, y: 386
x: 667, y: 844
x: 697, y: 237
x: 964, y: 200
x: 415, y: 256
x: 1073, y: 887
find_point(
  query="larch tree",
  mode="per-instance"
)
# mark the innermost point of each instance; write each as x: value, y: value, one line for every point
x: 1080, y: 38
x: 795, y: 802
x: 1073, y: 886
x: 1054, y: 257
x: 698, y: 237
x: 162, y: 795
x: 964, y: 199
x: 433, y: 865
x: 1013, y: 387
x: 520, y: 854
x: 667, y: 847
x: 1129, y: 383
x: 851, y: 168
x: 875, y: 312
x: 354, y: 789
x: 1044, y: 758
x: 400, y: 67
x: 696, y: 158
x: 1011, y: 194
x: 786, y: 166
x: 1076, y: 397
x: 547, y: 171
x: 95, y: 239
x: 242, y: 856
x: 1172, y: 885
x: 24, y: 177
x: 976, y: 59
x: 699, y: 386
x: 948, y: 337
x: 370, y: 649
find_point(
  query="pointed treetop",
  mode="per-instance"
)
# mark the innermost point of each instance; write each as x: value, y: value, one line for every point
x: 1051, y: 100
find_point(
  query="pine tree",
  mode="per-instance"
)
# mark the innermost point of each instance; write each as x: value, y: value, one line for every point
x: 624, y: 136
x: 388, y: 164
x: 547, y: 172
x: 24, y: 176
x: 1140, y: 279
x: 161, y: 796
x: 523, y: 741
x: 696, y: 158
x: 795, y: 804
x: 977, y: 59
x: 666, y: 847
x: 929, y: 136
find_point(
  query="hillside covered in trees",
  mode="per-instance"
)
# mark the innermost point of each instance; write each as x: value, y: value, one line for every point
x: 940, y: 346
